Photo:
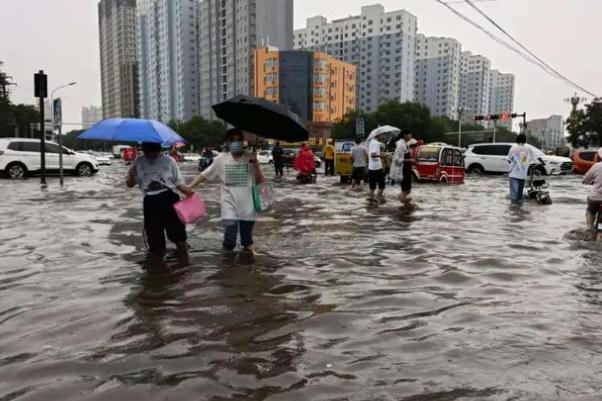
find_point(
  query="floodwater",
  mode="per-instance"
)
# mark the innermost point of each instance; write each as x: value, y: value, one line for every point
x: 463, y: 299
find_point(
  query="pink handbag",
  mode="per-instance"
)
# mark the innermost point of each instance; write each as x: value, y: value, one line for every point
x: 190, y: 210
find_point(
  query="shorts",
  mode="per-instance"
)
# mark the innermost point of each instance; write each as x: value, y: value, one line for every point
x: 376, y: 177
x: 359, y: 174
x: 406, y: 183
x: 593, y: 206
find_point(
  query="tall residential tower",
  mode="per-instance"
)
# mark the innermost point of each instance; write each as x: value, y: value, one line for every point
x: 474, y: 84
x: 229, y: 31
x: 380, y: 44
x: 168, y: 52
x: 438, y: 74
x: 501, y: 94
x: 118, y: 59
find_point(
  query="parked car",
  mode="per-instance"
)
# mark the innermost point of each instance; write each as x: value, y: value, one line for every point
x: 191, y: 158
x: 289, y: 156
x: 439, y: 163
x: 584, y: 159
x: 265, y: 157
x: 493, y: 158
x: 20, y: 157
x: 102, y: 158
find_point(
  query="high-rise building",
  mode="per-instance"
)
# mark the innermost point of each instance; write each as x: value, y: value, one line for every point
x: 437, y: 83
x: 118, y: 58
x: 474, y: 84
x: 382, y: 45
x: 90, y: 116
x: 550, y: 131
x: 317, y: 87
x: 229, y: 31
x: 501, y: 95
x: 169, y: 59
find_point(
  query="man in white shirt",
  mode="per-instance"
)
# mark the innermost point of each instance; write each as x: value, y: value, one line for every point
x: 376, y: 174
x: 520, y: 157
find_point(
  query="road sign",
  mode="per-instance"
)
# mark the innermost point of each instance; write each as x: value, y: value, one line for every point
x: 57, y: 108
x: 40, y: 81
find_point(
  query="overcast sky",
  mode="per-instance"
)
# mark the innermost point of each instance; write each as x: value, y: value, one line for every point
x: 61, y: 37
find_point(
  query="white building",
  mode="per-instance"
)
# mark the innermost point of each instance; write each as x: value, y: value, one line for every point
x: 168, y: 52
x: 437, y: 83
x: 501, y: 95
x: 90, y: 116
x: 550, y: 131
x: 474, y: 84
x: 229, y: 31
x: 381, y: 44
x: 118, y: 57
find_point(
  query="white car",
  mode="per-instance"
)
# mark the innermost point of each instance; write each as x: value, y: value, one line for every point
x: 493, y: 158
x: 20, y: 157
x: 265, y: 157
x: 103, y: 159
x: 191, y: 157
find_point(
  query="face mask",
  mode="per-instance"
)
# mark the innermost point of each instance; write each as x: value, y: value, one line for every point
x: 236, y: 147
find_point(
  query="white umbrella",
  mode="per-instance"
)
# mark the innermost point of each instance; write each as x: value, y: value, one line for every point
x: 386, y: 130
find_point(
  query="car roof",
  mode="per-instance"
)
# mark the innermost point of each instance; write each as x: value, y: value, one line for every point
x: 491, y: 144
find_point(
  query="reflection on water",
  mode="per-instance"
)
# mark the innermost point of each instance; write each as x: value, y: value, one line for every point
x: 463, y: 298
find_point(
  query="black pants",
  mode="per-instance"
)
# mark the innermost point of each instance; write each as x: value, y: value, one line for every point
x: 279, y: 167
x: 329, y: 167
x: 160, y: 217
x: 231, y: 228
x: 376, y: 178
x: 359, y: 175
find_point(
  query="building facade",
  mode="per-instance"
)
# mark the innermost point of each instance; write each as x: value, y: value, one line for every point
x: 314, y: 85
x: 90, y: 116
x: 475, y: 76
x: 169, y: 59
x: 118, y: 58
x: 501, y: 94
x: 437, y: 83
x: 550, y: 131
x: 382, y: 45
x: 229, y: 31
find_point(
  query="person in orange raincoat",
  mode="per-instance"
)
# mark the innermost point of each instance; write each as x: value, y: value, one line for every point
x: 305, y: 165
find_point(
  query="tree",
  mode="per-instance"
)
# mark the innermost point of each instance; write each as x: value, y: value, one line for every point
x: 200, y: 132
x: 593, y: 122
x: 411, y: 116
x: 346, y: 126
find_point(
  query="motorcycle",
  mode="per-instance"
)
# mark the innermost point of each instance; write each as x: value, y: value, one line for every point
x: 538, y: 188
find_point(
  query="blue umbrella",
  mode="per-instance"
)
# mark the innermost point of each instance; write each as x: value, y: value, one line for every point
x: 132, y: 130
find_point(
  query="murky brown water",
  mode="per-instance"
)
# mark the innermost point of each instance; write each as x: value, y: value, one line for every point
x: 464, y: 299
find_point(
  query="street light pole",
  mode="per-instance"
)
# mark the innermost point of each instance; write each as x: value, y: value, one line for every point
x: 460, y: 113
x: 60, y: 133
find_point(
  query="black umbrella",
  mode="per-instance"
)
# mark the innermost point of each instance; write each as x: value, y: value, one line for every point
x: 262, y: 118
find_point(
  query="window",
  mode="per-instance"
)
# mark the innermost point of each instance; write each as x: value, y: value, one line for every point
x: 428, y: 154
x: 492, y: 150
x: 587, y: 156
x: 52, y: 148
x: 16, y: 146
x: 30, y: 147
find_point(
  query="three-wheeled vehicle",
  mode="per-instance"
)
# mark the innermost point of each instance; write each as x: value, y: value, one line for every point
x: 439, y: 163
x: 343, y: 162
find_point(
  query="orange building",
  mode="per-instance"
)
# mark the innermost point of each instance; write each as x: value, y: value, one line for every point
x: 319, y: 88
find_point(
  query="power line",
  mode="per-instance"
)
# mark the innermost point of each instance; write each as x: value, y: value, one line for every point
x: 558, y: 74
x: 510, y: 47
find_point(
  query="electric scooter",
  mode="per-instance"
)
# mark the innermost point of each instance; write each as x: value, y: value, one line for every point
x: 538, y: 188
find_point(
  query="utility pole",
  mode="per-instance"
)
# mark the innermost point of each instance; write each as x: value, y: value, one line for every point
x: 460, y: 113
x: 41, y: 92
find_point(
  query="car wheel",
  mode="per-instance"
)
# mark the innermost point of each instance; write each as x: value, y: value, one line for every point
x: 16, y: 171
x: 476, y: 169
x: 83, y: 170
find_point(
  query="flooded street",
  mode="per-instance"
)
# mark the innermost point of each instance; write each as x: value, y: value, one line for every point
x: 463, y: 299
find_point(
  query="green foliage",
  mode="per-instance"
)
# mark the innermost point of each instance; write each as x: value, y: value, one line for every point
x: 200, y: 132
x: 416, y: 118
x: 585, y: 126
